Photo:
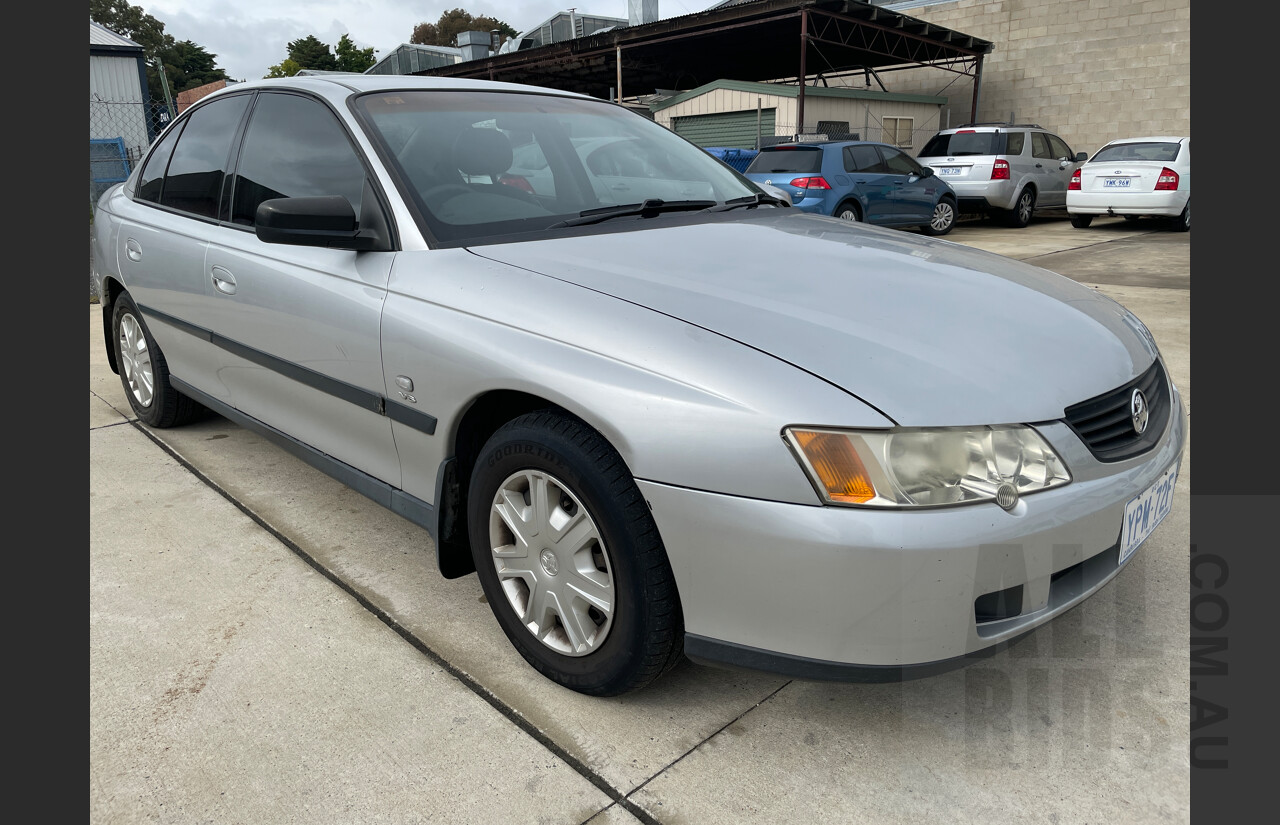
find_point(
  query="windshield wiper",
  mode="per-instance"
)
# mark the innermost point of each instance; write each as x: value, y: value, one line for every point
x: 748, y: 201
x: 648, y: 209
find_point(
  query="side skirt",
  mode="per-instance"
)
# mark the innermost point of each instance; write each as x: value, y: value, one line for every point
x: 397, y: 501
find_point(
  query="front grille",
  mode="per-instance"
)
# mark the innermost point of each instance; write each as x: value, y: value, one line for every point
x: 1105, y: 425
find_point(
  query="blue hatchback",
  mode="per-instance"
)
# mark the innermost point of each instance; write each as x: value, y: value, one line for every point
x: 858, y: 181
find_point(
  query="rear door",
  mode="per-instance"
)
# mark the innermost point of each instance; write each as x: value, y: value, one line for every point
x: 163, y: 237
x: 1051, y: 186
x: 299, y: 325
x: 872, y: 182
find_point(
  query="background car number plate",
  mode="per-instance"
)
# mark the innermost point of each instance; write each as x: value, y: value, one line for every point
x: 1144, y: 512
x: 948, y: 171
x: 1115, y: 183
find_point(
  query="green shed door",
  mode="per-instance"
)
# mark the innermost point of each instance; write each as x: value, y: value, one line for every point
x: 734, y: 130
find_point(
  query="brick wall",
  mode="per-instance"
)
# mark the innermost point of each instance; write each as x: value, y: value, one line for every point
x: 1089, y: 70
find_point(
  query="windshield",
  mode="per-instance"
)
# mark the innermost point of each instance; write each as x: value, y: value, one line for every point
x: 482, y: 166
x: 964, y: 143
x: 1160, y: 152
x: 789, y: 159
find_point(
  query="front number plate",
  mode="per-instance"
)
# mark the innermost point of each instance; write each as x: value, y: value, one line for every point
x: 1144, y: 512
x: 1115, y: 183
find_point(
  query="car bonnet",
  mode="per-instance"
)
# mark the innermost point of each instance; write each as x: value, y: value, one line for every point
x: 930, y: 332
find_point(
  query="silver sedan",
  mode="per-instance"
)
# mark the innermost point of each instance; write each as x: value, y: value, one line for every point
x: 657, y: 411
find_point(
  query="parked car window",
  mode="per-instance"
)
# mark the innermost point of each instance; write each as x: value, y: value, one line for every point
x: 151, y: 180
x: 194, y: 180
x: 1014, y: 143
x: 1040, y: 145
x: 787, y: 160
x: 1060, y: 148
x: 862, y: 159
x: 1163, y: 152
x: 964, y: 143
x: 457, y: 158
x: 294, y: 147
x: 899, y: 163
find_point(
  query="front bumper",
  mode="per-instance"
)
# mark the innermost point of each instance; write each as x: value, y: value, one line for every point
x: 1167, y: 204
x: 843, y: 593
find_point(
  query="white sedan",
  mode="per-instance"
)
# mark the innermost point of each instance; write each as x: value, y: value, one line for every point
x: 1134, y: 177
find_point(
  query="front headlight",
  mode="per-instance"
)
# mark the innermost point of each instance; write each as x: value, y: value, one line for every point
x: 926, y: 467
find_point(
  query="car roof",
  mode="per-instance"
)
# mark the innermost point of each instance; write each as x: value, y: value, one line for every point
x: 819, y: 144
x: 1149, y: 139
x: 341, y: 85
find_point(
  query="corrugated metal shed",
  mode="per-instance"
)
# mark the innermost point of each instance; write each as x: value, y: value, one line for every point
x: 102, y: 36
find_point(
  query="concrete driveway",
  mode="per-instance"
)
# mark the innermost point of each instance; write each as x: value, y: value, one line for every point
x: 267, y: 646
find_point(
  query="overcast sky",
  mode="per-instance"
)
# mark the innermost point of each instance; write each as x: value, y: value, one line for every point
x: 248, y: 36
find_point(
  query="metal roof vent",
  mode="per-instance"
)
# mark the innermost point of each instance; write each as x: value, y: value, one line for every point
x: 642, y: 11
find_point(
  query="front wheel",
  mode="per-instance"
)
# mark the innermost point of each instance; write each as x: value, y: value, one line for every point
x: 1023, y: 209
x: 943, y: 220
x: 144, y: 371
x: 570, y: 558
x: 1081, y: 221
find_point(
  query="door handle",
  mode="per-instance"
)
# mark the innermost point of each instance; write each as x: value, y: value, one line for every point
x: 133, y: 249
x: 223, y: 281
x: 1039, y: 165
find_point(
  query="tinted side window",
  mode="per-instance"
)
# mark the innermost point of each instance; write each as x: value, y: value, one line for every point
x: 1040, y: 145
x: 194, y: 181
x: 152, y: 178
x: 1015, y: 141
x: 294, y: 147
x: 862, y: 159
x: 897, y: 163
x: 1060, y: 148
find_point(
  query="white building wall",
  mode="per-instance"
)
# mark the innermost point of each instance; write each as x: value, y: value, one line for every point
x: 116, y: 107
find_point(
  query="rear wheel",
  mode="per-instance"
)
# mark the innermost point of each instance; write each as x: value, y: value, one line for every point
x: 1182, y: 223
x: 944, y: 218
x: 144, y: 371
x: 570, y: 558
x: 1023, y: 209
x: 849, y: 211
x: 1081, y: 221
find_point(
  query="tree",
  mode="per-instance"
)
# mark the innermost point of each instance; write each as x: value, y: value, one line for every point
x: 286, y: 68
x: 188, y: 65
x: 445, y: 31
x: 351, y: 58
x: 310, y: 53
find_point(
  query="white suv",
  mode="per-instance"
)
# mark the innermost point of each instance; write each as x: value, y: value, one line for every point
x: 1008, y: 168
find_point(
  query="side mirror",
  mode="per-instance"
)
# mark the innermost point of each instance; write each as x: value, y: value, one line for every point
x: 926, y: 171
x: 325, y: 221
x: 1081, y: 157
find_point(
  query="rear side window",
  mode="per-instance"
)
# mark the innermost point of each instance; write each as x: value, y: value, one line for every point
x: 194, y: 180
x: 1015, y: 142
x: 786, y: 160
x: 964, y: 143
x: 1040, y: 146
x: 152, y: 180
x: 862, y: 159
x: 294, y: 147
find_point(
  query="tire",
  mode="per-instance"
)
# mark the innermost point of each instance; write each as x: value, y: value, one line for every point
x: 144, y: 373
x: 1182, y: 223
x: 600, y: 615
x: 1023, y: 209
x: 849, y: 211
x: 944, y: 218
x: 1081, y: 221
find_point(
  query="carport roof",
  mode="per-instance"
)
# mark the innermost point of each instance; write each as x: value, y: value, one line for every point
x: 752, y: 41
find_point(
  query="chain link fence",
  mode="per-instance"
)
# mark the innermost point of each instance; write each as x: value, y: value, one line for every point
x: 119, y: 134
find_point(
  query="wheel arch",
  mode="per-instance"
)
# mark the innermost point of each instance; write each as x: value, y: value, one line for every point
x: 111, y: 289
